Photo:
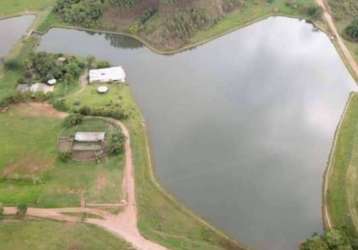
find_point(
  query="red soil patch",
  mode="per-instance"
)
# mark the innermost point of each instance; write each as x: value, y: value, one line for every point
x: 37, y: 109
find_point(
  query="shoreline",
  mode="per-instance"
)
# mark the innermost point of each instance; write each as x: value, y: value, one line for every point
x: 327, y: 223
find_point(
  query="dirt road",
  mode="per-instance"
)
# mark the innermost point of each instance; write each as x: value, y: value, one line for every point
x: 333, y: 30
x: 124, y: 224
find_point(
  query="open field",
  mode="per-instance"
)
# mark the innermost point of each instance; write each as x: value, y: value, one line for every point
x: 32, y: 174
x: 46, y: 235
x: 11, y: 7
x: 344, y: 12
x: 342, y: 188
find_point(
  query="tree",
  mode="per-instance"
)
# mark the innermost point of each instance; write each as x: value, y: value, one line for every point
x: 1, y: 211
x: 21, y: 210
x: 352, y: 30
x: 116, y: 144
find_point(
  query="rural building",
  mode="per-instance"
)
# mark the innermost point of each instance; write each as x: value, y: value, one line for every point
x: 35, y: 88
x: 88, y: 145
x: 113, y: 74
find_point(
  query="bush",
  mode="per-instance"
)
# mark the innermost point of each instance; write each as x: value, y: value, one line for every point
x: 59, y: 104
x: 64, y: 156
x: 116, y: 144
x: 351, y: 31
x: 314, y: 12
x: 1, y: 211
x: 12, y: 65
x: 72, y: 120
x: 331, y: 240
x: 21, y: 210
x: 124, y: 3
x: 84, y: 12
x: 114, y: 112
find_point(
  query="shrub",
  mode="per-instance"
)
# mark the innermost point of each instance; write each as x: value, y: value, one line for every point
x: 313, y: 12
x: 64, y: 156
x: 12, y: 65
x: 116, y: 144
x: 351, y: 31
x: 21, y: 210
x: 124, y: 3
x: 72, y: 120
x: 1, y: 211
x: 59, y: 104
x: 84, y: 12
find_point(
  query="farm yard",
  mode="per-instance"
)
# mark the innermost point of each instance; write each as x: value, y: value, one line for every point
x: 47, y: 181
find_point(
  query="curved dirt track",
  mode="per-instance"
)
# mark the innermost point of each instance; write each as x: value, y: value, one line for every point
x: 333, y: 29
x: 123, y: 224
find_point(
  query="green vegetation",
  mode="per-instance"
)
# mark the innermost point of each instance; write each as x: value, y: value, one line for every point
x: 44, y: 66
x: 34, y: 234
x: 31, y: 172
x: 342, y: 179
x: 352, y: 30
x: 331, y: 240
x: 345, y: 12
x: 170, y: 25
x: 11, y: 7
x: 21, y: 210
x: 85, y: 12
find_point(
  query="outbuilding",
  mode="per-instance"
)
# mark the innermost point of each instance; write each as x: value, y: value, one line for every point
x: 113, y: 74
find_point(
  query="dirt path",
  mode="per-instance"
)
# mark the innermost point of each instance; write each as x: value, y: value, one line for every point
x: 124, y: 224
x: 333, y: 30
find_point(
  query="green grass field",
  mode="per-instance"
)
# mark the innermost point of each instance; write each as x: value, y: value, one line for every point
x: 50, y: 235
x: 344, y: 12
x: 32, y: 174
x: 11, y: 7
x: 343, y: 186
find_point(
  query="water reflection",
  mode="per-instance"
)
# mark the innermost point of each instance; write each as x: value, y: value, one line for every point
x: 11, y: 30
x: 241, y: 127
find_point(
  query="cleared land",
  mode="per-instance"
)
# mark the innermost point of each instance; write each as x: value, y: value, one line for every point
x: 31, y: 172
x: 344, y: 12
x: 44, y: 235
x: 342, y: 195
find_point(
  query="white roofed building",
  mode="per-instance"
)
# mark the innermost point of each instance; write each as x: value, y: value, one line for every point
x: 90, y: 136
x: 113, y: 74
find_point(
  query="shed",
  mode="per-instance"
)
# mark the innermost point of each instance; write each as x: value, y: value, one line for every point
x: 52, y: 81
x: 40, y: 87
x: 107, y: 75
x: 90, y: 136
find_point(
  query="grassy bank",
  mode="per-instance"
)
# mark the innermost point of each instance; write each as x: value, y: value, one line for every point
x: 11, y: 7
x: 44, y: 235
x: 161, y: 218
x: 342, y: 187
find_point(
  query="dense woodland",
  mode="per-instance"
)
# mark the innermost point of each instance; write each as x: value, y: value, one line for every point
x: 168, y: 23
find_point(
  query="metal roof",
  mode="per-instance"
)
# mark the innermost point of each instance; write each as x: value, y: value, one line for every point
x: 107, y: 74
x: 89, y: 136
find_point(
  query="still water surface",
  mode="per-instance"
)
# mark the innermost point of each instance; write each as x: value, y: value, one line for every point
x: 11, y: 30
x: 240, y: 127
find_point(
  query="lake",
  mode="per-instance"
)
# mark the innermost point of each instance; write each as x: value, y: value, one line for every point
x: 11, y: 30
x: 240, y: 127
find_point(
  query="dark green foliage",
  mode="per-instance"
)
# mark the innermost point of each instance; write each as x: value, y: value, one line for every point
x: 21, y: 210
x: 351, y: 30
x: 102, y: 64
x: 124, y: 3
x: 331, y: 240
x: 116, y: 144
x: 83, y: 12
x: 1, y: 211
x: 114, y: 112
x: 44, y: 66
x: 64, y: 156
x: 72, y: 120
x: 314, y: 12
x: 59, y: 104
x: 184, y: 23
x: 12, y: 65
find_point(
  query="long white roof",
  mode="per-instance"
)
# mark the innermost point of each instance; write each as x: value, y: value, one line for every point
x: 89, y: 136
x: 107, y: 74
